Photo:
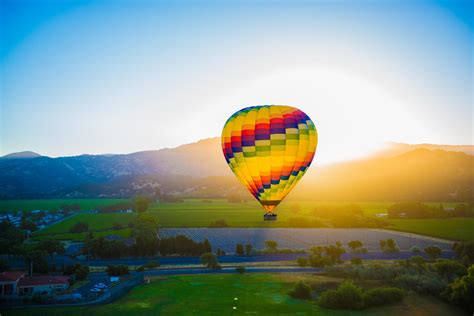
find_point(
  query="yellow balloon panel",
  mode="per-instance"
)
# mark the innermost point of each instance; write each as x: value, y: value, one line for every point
x: 269, y: 148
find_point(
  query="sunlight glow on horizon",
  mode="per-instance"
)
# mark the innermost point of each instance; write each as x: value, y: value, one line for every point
x: 169, y: 74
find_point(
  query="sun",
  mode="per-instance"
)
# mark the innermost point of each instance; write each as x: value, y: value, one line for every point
x: 354, y: 116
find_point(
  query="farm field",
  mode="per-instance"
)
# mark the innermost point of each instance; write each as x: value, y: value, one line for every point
x: 101, y: 224
x: 200, y: 213
x: 54, y: 204
x: 262, y: 294
x: 299, y: 238
x: 449, y: 228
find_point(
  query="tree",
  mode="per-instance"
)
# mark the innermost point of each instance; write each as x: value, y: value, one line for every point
x: 465, y: 251
x: 11, y: 239
x: 145, y: 233
x: 82, y: 272
x: 207, y: 246
x: 4, y: 266
x: 248, y: 249
x: 356, y: 261
x: 461, y: 291
x: 301, y: 290
x: 354, y: 244
x: 51, y: 246
x: 210, y: 260
x: 118, y: 270
x: 335, y: 252
x: 434, y: 252
x: 449, y: 269
x: 35, y: 260
x: 141, y: 203
x: 239, y: 249
x: 220, y: 252
x: 27, y: 224
x: 417, y: 261
x: 302, y: 262
x: 347, y: 296
x: 389, y: 245
x: 240, y: 269
x: 271, y: 245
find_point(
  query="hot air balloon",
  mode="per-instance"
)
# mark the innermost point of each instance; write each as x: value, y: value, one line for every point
x: 269, y: 148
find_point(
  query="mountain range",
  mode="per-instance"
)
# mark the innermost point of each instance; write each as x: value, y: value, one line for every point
x: 401, y: 172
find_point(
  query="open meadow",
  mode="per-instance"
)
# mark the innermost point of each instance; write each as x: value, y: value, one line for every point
x: 218, y: 294
x: 200, y: 213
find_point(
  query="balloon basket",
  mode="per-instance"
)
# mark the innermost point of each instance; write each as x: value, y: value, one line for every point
x: 270, y: 217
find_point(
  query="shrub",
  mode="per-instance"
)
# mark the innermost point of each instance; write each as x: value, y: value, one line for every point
x: 248, y: 249
x: 4, y: 266
x: 82, y: 272
x: 118, y: 270
x: 356, y: 261
x: 461, y: 291
x: 354, y: 244
x: 301, y: 290
x: 465, y: 251
x: 415, y: 249
x: 449, y: 269
x: 382, y: 296
x: 347, y: 296
x: 151, y: 264
x: 240, y: 269
x: 434, y: 252
x: 421, y: 283
x: 320, y: 262
x: 239, y: 249
x: 271, y: 245
x: 389, y: 245
x: 220, y: 252
x: 417, y: 260
x: 140, y: 269
x: 302, y: 261
x: 210, y: 260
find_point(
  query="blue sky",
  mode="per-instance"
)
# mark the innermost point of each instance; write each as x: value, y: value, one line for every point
x: 122, y: 76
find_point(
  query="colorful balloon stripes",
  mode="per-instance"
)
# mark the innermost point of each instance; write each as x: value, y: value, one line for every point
x: 269, y: 148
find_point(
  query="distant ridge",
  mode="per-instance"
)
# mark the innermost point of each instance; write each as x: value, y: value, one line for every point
x: 402, y: 172
x: 395, y: 149
x: 22, y: 155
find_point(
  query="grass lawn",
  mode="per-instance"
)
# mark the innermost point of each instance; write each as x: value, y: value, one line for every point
x: 101, y: 224
x: 261, y: 294
x: 448, y: 228
x: 54, y: 204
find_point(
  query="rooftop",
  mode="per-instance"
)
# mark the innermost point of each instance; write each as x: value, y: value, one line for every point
x: 10, y: 276
x: 43, y: 280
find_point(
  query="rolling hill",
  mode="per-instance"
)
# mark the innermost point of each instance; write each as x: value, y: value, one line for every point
x: 411, y: 172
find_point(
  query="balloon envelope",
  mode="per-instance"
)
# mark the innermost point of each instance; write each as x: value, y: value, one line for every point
x: 269, y: 148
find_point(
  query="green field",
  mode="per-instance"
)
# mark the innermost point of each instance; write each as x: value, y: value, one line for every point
x: 200, y: 213
x: 261, y: 294
x: 54, y: 204
x: 448, y: 228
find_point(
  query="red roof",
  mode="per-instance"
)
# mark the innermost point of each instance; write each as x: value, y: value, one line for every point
x: 11, y: 276
x: 43, y: 280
